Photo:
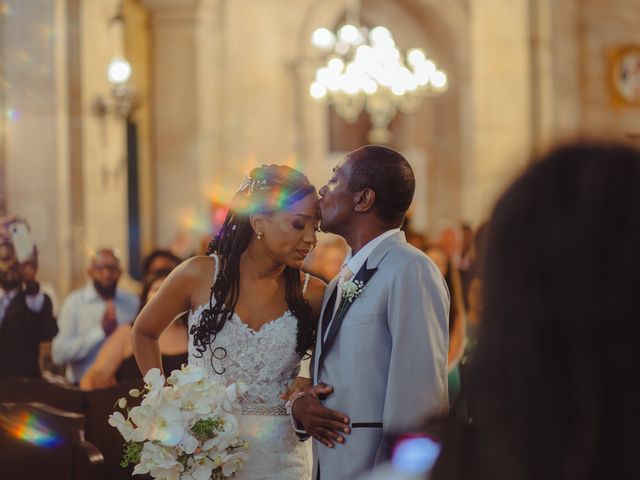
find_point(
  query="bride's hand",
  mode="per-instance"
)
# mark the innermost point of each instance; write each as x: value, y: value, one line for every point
x: 299, y: 384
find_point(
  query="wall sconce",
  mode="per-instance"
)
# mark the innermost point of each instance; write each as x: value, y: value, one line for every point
x: 122, y: 99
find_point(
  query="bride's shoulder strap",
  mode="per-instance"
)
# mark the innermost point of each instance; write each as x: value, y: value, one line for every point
x: 306, y: 282
x: 216, y: 259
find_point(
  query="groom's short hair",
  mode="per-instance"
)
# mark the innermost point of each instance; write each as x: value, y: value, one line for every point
x: 387, y: 173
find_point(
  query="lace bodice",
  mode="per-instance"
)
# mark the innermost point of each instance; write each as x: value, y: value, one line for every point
x: 266, y: 360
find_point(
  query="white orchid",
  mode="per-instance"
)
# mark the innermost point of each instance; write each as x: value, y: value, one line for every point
x: 124, y: 426
x: 159, y: 462
x: 200, y: 468
x: 168, y: 428
x: 187, y: 430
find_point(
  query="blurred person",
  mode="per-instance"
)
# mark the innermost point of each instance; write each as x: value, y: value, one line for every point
x: 549, y: 389
x: 115, y: 360
x: 449, y: 237
x: 413, y: 237
x: 159, y: 260
x: 380, y: 354
x: 30, y: 267
x: 465, y: 265
x: 326, y: 259
x: 457, y: 317
x: 252, y: 313
x: 467, y: 245
x: 89, y: 315
x: 26, y: 316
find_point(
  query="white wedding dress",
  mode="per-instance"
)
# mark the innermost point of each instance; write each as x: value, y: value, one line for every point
x: 267, y: 362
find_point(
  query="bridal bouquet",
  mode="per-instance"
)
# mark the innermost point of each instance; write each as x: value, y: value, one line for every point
x: 187, y: 430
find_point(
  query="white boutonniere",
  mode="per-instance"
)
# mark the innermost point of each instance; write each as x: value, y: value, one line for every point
x: 352, y: 290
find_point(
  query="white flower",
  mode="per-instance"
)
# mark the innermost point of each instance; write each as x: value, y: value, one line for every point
x: 188, y: 443
x: 200, y: 468
x: 352, y: 289
x: 124, y: 426
x: 159, y: 461
x: 154, y: 382
x: 143, y: 417
x: 164, y: 420
x: 168, y: 428
x: 233, y: 463
x: 188, y: 374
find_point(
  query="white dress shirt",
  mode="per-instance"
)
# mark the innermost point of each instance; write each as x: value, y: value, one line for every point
x: 355, y: 262
x: 80, y: 327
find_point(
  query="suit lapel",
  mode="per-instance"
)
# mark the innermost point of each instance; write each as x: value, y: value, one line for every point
x: 327, y: 309
x: 363, y: 275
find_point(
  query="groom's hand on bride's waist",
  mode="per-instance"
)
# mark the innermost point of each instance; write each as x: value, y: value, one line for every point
x: 325, y: 425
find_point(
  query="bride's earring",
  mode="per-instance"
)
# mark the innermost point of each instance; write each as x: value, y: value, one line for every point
x: 259, y: 235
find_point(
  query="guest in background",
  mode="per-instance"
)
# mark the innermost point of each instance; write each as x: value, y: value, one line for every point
x: 115, y: 361
x: 159, y: 260
x: 465, y: 265
x: 91, y: 314
x: 326, y: 259
x: 549, y: 389
x: 473, y: 299
x: 449, y: 237
x: 26, y: 318
x: 457, y: 316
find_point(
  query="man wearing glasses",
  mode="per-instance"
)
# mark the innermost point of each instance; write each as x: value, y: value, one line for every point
x: 91, y: 314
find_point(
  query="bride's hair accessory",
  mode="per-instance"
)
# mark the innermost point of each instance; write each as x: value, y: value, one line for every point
x: 253, y: 184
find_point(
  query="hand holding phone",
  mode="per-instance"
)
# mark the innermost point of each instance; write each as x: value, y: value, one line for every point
x: 21, y: 240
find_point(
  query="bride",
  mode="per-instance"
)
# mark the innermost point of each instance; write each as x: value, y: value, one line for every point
x: 253, y: 314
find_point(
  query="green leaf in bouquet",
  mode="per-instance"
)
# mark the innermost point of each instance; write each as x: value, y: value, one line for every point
x: 207, y: 428
x: 131, y: 453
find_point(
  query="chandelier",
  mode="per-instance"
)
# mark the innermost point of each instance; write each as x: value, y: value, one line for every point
x: 365, y: 71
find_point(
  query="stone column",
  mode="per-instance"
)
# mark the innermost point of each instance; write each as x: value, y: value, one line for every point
x: 35, y: 143
x: 501, y: 98
x: 185, y: 111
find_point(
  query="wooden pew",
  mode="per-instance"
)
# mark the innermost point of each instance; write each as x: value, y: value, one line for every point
x: 95, y: 405
x: 39, y: 441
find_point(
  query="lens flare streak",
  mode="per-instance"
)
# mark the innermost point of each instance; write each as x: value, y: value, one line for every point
x: 28, y: 428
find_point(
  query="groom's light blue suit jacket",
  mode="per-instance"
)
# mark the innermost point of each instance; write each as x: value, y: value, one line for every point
x: 386, y: 359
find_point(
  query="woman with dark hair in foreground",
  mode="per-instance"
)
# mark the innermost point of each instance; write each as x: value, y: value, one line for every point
x: 550, y: 391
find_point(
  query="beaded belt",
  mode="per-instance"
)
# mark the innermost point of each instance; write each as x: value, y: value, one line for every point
x: 257, y: 409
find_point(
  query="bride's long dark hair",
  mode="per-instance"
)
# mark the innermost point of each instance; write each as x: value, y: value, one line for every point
x: 268, y: 189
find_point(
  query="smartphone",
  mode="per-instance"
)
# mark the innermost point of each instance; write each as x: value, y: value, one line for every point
x: 414, y: 453
x: 21, y: 239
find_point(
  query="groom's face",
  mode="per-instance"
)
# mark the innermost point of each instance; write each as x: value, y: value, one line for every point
x: 336, y: 201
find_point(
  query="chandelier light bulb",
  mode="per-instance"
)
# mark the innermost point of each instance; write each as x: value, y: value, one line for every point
x: 323, y: 38
x: 317, y: 90
x: 439, y: 79
x: 379, y: 34
x: 350, y: 34
x: 416, y: 56
x: 370, y: 87
x: 336, y: 65
x: 398, y: 90
x: 366, y: 71
x: 119, y: 71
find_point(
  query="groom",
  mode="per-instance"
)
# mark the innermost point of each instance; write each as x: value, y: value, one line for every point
x: 380, y: 361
